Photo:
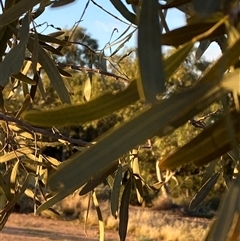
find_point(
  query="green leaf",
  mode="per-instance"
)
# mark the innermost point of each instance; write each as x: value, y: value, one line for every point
x: 60, y: 3
x: 204, y: 191
x: 205, y: 8
x: 50, y: 68
x: 231, y: 81
x: 184, y: 34
x: 124, y: 11
x: 116, y: 191
x: 99, y: 178
x: 208, y: 145
x: 13, y: 61
x: 52, y: 39
x: 124, y: 210
x: 172, y: 63
x: 92, y: 110
x: 17, y: 10
x: 152, y: 80
x: 229, y: 208
x: 81, y: 166
x: 24, y: 78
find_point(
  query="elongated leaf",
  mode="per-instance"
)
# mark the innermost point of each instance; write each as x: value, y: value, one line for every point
x: 202, y: 48
x: 172, y: 63
x: 87, y: 91
x: 149, y: 50
x: 207, y: 146
x: 204, y: 191
x: 17, y: 153
x: 50, y: 68
x: 124, y: 11
x: 205, y: 8
x: 16, y: 11
x: 13, y: 177
x: 13, y: 61
x: 124, y: 212
x: 229, y: 208
x: 99, y: 178
x: 231, y: 81
x: 81, y: 166
x: 116, y: 191
x: 51, y: 38
x: 94, y: 109
x: 24, y: 78
x: 184, y: 34
x: 61, y: 3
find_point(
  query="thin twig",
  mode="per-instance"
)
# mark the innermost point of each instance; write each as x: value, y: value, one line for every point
x: 91, y: 70
x: 44, y: 132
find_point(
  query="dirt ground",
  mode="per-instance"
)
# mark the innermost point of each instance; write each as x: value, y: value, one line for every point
x: 27, y: 227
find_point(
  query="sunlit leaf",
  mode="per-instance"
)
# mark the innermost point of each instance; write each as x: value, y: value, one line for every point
x: 94, y: 109
x: 207, y: 146
x: 231, y: 81
x: 100, y: 218
x: 87, y: 89
x: 16, y: 154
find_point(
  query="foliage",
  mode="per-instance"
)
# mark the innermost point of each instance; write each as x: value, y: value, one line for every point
x: 25, y: 53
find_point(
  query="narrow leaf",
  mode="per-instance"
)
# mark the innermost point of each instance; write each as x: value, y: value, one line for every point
x: 124, y: 210
x: 16, y: 11
x: 99, y: 178
x: 124, y: 11
x: 204, y: 191
x: 16, y: 154
x: 24, y: 78
x: 116, y: 191
x: 92, y: 110
x: 231, y: 81
x: 13, y: 61
x: 50, y: 68
x: 149, y: 50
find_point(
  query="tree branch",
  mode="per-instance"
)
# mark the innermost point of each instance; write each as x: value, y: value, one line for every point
x: 44, y: 132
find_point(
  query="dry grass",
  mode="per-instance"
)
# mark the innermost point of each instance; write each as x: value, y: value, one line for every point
x: 145, y: 224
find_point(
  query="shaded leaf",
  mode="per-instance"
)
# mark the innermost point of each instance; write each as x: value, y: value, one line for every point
x: 52, y: 72
x: 60, y: 3
x: 13, y: 61
x: 119, y: 140
x: 99, y: 178
x: 16, y: 11
x: 24, y: 78
x: 204, y: 191
x: 205, y: 8
x: 202, y: 48
x: 229, y: 207
x: 152, y: 80
x: 124, y: 11
x: 116, y: 191
x: 124, y: 210
x: 172, y: 63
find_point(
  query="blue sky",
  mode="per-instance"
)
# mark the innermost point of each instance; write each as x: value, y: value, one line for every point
x: 100, y: 25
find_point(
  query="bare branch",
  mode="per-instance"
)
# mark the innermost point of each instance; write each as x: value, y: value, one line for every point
x: 44, y: 132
